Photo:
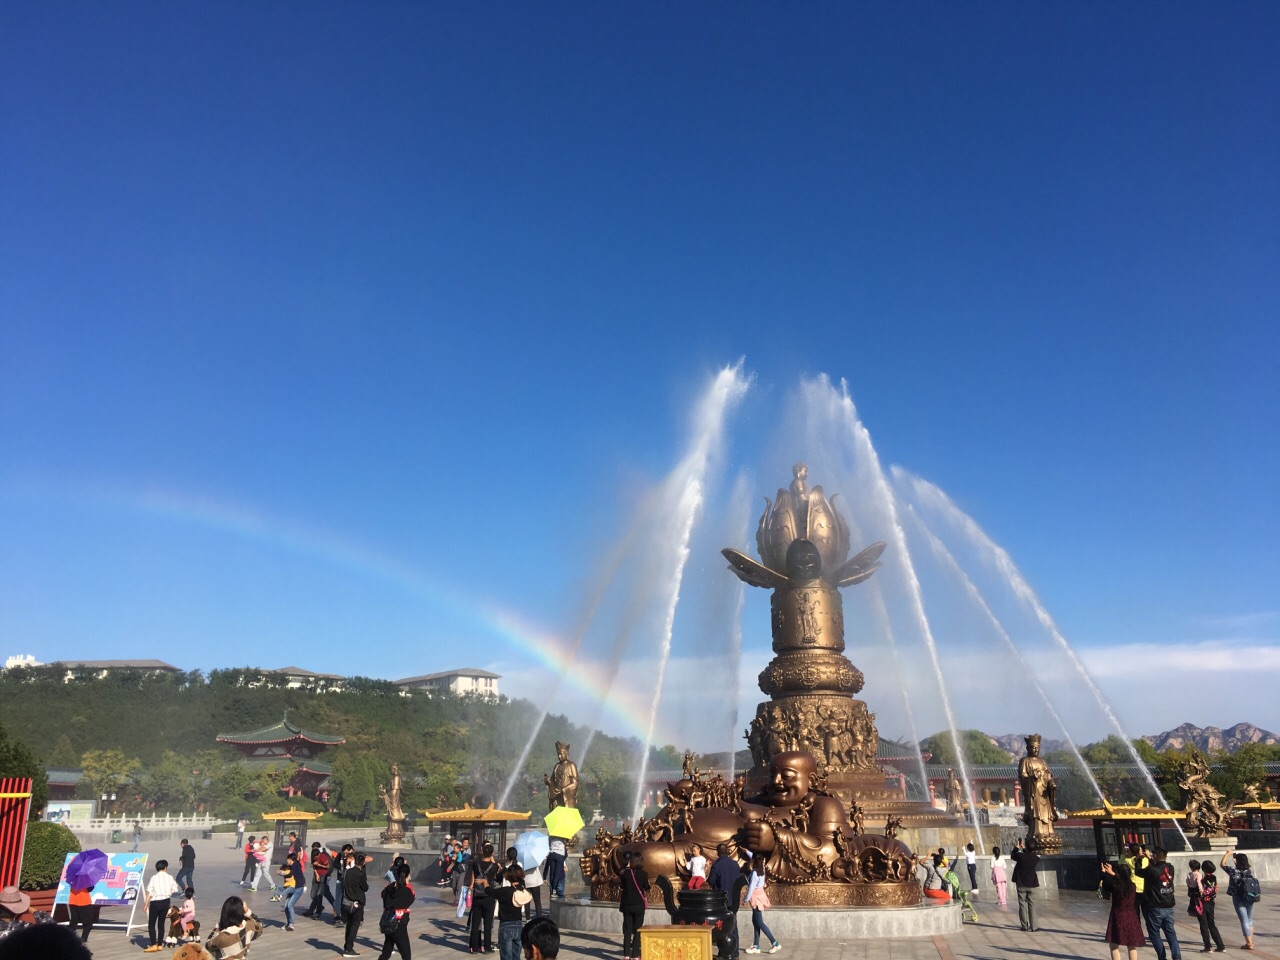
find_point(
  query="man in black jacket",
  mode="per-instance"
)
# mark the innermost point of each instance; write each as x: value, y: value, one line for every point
x: 725, y: 874
x: 355, y: 889
x: 1025, y: 879
x: 1158, y: 903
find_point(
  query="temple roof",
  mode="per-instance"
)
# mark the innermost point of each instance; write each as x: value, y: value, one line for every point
x: 282, y: 732
x: 292, y: 814
x: 1137, y: 811
x: 470, y: 814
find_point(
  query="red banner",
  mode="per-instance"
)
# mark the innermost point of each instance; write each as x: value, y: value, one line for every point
x: 15, y: 803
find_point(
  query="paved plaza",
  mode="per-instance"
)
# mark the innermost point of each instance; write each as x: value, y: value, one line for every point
x: 1070, y: 927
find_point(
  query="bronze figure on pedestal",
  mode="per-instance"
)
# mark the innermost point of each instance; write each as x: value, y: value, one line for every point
x: 813, y: 746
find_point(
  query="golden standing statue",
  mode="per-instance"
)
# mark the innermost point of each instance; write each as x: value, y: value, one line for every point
x: 562, y: 784
x: 390, y: 794
x: 1039, y: 799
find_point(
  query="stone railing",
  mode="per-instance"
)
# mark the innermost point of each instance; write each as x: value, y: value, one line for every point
x: 151, y: 822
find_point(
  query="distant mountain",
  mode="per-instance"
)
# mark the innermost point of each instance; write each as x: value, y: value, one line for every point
x: 1015, y: 745
x: 1211, y: 738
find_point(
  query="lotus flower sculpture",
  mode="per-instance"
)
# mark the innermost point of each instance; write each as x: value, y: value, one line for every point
x: 802, y: 538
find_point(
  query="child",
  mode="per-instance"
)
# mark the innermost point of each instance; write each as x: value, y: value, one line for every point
x: 190, y: 928
x: 697, y: 869
x: 999, y: 879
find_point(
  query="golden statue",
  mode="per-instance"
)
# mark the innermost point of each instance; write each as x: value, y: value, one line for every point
x: 804, y: 545
x: 812, y: 851
x: 1201, y: 801
x: 562, y: 784
x: 813, y: 746
x: 1039, y: 799
x: 954, y: 794
x: 390, y: 794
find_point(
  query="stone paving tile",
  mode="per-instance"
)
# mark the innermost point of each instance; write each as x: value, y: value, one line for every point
x: 1071, y: 927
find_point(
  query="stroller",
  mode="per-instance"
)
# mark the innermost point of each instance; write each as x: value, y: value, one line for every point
x: 952, y: 882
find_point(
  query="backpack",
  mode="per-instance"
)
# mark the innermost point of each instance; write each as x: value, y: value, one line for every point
x: 1250, y: 889
x: 388, y: 923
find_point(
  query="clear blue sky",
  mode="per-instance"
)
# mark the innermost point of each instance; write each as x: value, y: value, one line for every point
x: 321, y: 325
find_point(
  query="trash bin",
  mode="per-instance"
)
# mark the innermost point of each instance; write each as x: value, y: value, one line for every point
x: 115, y: 836
x: 206, y: 835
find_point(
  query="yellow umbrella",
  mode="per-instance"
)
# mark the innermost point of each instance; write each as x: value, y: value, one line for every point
x: 564, y: 822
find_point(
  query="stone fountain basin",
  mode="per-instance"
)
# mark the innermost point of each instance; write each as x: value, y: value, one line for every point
x: 787, y: 923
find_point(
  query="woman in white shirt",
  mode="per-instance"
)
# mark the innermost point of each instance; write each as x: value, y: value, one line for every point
x: 160, y: 888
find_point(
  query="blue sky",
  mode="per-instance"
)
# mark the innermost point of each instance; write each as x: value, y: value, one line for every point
x: 324, y: 327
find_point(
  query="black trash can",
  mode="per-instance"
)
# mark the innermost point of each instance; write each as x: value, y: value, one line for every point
x: 206, y: 835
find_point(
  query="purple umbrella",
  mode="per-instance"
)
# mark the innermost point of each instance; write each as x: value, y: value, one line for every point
x: 86, y: 869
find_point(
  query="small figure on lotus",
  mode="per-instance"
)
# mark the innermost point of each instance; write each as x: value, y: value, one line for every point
x: 804, y: 834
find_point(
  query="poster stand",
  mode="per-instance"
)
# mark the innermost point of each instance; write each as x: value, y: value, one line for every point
x: 121, y: 887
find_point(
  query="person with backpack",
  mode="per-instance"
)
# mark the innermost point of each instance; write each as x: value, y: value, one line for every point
x: 1245, y: 891
x: 483, y: 875
x: 1158, y: 903
x: 511, y: 898
x: 397, y: 898
x: 1208, y: 901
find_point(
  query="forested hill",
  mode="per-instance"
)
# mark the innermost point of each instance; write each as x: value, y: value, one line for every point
x: 154, y: 735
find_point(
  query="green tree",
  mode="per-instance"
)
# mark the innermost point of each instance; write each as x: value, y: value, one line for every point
x: 1112, y: 764
x: 976, y: 745
x: 108, y: 770
x: 1234, y: 773
x: 17, y: 760
x: 355, y: 780
x: 64, y: 756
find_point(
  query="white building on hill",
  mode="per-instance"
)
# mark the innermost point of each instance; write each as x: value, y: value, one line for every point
x: 466, y: 680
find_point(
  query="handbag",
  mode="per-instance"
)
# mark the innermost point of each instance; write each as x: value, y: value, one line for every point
x: 635, y: 883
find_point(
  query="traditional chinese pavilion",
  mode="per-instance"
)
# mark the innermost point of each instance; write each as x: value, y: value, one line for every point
x: 283, y: 744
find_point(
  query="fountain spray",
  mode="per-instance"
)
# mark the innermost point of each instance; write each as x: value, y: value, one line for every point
x: 880, y: 484
x: 945, y: 555
x: 688, y: 479
x: 926, y: 491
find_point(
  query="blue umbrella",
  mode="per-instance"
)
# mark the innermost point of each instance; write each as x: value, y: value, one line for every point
x: 532, y: 847
x: 86, y: 869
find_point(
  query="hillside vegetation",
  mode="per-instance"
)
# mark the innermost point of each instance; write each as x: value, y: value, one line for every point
x: 150, y: 738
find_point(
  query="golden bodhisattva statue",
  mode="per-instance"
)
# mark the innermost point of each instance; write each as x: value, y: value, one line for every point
x: 390, y: 793
x: 562, y: 784
x: 1039, y: 799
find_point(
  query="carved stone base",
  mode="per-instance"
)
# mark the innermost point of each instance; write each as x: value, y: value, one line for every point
x: 839, y: 731
x: 1045, y: 846
x: 394, y: 832
x: 845, y: 894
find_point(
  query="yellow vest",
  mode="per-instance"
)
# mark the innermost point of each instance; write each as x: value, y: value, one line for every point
x: 1139, y: 884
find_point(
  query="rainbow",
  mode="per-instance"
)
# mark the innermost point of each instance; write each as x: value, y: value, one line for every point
x: 544, y: 647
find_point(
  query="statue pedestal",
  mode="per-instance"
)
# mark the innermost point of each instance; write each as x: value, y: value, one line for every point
x: 394, y: 834
x: 676, y: 943
x: 787, y: 923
